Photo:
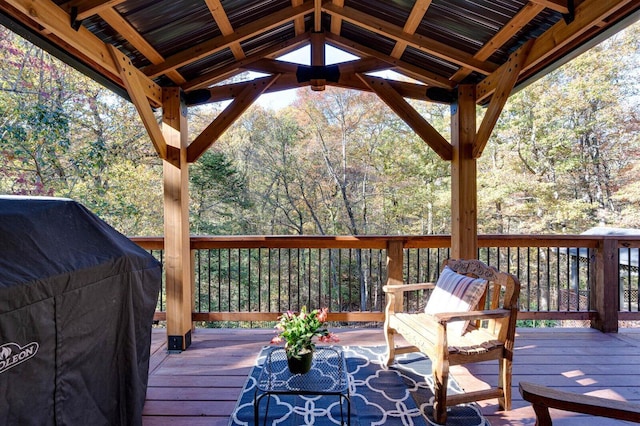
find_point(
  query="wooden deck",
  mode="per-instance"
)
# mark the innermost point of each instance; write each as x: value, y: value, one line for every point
x: 201, y: 385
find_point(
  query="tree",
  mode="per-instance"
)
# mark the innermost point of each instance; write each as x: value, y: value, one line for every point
x: 562, y: 146
x: 64, y: 135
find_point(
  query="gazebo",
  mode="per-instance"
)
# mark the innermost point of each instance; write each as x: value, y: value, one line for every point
x: 173, y: 54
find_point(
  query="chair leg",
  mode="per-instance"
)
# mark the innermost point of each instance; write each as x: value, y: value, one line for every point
x: 504, y: 382
x: 440, y: 382
x: 391, y: 347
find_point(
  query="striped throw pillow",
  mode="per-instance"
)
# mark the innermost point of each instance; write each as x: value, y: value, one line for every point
x: 455, y: 293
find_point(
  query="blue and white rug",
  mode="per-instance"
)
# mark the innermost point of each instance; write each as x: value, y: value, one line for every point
x: 380, y: 395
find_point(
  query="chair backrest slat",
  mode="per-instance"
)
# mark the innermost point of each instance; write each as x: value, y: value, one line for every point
x: 503, y: 291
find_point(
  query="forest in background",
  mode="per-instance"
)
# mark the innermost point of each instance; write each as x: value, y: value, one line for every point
x: 565, y: 155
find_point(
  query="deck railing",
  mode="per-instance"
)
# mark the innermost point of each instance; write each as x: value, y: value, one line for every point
x: 254, y: 278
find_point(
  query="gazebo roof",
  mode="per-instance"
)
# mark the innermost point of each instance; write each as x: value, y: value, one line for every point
x: 195, y: 44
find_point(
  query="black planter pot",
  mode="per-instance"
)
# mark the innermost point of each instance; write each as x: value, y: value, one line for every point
x: 300, y: 365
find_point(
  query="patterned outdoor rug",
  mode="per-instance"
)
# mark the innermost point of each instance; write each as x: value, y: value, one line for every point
x: 380, y: 395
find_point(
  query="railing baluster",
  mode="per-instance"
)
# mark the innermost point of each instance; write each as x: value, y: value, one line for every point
x: 529, y: 278
x: 279, y: 281
x: 537, y: 275
x: 339, y: 278
x: 629, y: 277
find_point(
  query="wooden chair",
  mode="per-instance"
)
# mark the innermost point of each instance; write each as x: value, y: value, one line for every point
x: 489, y: 336
x: 542, y: 398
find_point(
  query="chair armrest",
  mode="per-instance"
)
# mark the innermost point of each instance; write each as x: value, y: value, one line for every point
x: 542, y: 398
x: 444, y: 317
x: 393, y: 288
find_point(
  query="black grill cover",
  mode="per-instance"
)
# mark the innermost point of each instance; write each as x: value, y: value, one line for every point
x: 76, y: 306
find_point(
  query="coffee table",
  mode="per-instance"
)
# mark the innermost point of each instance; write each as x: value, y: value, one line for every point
x: 328, y: 376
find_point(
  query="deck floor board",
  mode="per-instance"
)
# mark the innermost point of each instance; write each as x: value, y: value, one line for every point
x: 201, y: 385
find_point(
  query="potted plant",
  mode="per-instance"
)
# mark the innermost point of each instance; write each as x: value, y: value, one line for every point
x: 298, y: 331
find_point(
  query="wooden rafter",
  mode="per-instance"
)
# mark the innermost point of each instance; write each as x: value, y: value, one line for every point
x: 118, y: 23
x: 227, y: 71
x: 217, y: 44
x: 136, y: 92
x: 221, y: 18
x: 233, y: 90
x: 413, y: 21
x: 410, y: 116
x: 87, y: 8
x: 557, y: 5
x: 589, y: 14
x: 272, y: 66
x: 298, y: 23
x: 336, y: 21
x: 508, y: 79
x: 522, y: 18
x: 317, y: 15
x: 425, y: 44
x: 56, y: 21
x: 412, y: 71
x: 239, y: 105
x: 418, y: 92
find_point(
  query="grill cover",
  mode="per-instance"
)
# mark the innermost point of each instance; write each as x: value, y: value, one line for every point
x: 76, y: 306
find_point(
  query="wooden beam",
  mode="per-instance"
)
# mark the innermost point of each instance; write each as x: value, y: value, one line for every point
x: 419, y: 92
x: 317, y: 55
x: 559, y: 6
x: 272, y: 66
x: 425, y: 44
x: 118, y: 23
x: 317, y: 16
x: 412, y: 71
x: 588, y: 14
x: 410, y: 116
x: 363, y: 65
x: 88, y: 8
x: 226, y: 118
x: 227, y: 71
x: 411, y: 25
x: 88, y: 47
x: 136, y: 92
x: 298, y: 23
x: 508, y: 79
x: 177, y: 245
x: 231, y: 91
x: 221, y: 18
x: 464, y: 198
x: 522, y: 18
x: 336, y: 21
x: 217, y: 44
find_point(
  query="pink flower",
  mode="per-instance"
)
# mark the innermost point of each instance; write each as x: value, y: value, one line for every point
x: 329, y: 338
x: 276, y: 340
x: 322, y: 315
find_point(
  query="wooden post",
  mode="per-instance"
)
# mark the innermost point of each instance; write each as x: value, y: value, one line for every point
x: 179, y: 281
x: 604, y: 292
x: 394, y: 277
x: 464, y: 220
x: 394, y: 267
x: 317, y: 58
